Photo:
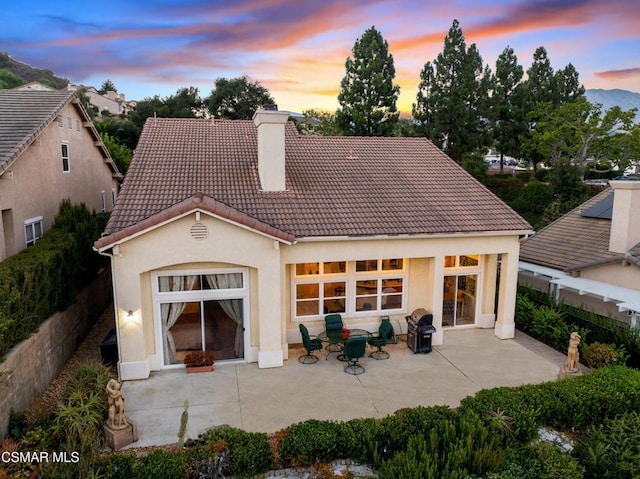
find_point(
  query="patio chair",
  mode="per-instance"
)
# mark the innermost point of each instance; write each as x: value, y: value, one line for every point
x: 310, y: 345
x: 384, y: 332
x: 353, y: 350
x: 333, y: 322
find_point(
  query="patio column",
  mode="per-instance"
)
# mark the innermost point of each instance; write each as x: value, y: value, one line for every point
x: 270, y: 354
x: 487, y: 316
x: 438, y: 281
x: 505, y: 325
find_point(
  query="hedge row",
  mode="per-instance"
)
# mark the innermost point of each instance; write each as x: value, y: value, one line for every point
x: 46, y: 277
x: 538, y: 315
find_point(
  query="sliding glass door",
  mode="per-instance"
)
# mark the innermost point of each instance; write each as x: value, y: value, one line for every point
x: 459, y: 300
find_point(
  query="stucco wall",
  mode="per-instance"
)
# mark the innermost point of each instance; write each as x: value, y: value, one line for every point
x: 617, y: 274
x: 29, y: 368
x: 172, y: 247
x: 35, y: 184
x: 271, y: 328
x: 426, y: 270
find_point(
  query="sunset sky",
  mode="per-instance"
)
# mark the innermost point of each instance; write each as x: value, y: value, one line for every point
x: 297, y: 48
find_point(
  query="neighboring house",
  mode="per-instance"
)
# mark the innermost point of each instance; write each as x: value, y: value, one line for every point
x: 34, y: 85
x: 228, y: 234
x: 591, y: 256
x: 112, y: 101
x: 49, y: 151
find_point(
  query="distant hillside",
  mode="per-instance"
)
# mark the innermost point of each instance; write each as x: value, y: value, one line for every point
x: 14, y: 73
x: 622, y: 98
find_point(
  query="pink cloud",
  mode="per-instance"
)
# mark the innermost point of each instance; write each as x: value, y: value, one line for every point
x: 619, y: 74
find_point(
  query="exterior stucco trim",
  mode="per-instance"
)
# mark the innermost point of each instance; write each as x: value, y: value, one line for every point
x: 197, y: 202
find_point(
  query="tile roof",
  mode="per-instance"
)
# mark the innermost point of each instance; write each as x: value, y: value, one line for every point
x: 336, y: 186
x: 574, y: 240
x: 24, y: 114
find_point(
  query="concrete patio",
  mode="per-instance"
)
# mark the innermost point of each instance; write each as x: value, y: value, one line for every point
x: 266, y: 400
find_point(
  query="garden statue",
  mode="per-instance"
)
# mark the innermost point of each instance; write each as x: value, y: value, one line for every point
x: 116, y: 420
x: 573, y: 355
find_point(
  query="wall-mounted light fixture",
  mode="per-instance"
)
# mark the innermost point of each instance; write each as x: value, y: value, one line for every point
x: 129, y: 316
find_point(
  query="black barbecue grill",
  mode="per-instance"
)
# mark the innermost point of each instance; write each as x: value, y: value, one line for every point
x: 420, y: 329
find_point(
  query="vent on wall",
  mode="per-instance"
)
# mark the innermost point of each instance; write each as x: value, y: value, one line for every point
x: 199, y: 231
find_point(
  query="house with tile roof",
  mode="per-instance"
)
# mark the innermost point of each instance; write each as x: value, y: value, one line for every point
x: 49, y: 151
x: 229, y: 234
x: 590, y: 257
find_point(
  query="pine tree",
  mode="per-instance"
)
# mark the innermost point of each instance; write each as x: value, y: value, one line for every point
x: 423, y: 111
x: 545, y: 89
x: 368, y: 96
x: 507, y: 111
x: 107, y: 86
x: 453, y: 97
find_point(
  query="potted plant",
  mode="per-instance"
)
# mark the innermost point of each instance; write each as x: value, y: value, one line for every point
x: 345, y: 333
x: 199, y: 361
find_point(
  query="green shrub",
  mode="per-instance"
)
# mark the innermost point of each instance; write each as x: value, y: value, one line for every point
x: 17, y: 424
x: 452, y: 448
x: 538, y: 461
x: 77, y: 424
x: 612, y: 451
x: 366, y: 437
x: 308, y: 441
x: 160, y: 464
x: 91, y: 378
x: 397, y: 428
x: 541, y: 175
x: 572, y: 403
x: 524, y: 176
x: 209, y: 460
x: 604, y: 393
x: 514, y: 402
x: 249, y: 452
x: 116, y: 465
x: 598, y: 355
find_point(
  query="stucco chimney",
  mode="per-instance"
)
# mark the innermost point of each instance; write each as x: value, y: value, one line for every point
x: 271, y: 166
x: 625, y: 218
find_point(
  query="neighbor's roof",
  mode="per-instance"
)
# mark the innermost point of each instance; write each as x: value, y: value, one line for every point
x: 336, y: 186
x: 577, y: 240
x: 24, y: 114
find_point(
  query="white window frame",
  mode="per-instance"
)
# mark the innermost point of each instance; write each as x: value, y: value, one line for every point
x: 198, y: 295
x: 103, y: 201
x: 113, y: 196
x: 457, y: 271
x: 350, y: 278
x: 31, y: 224
x: 66, y: 161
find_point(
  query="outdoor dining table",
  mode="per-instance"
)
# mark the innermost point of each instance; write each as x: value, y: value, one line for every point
x: 335, y: 337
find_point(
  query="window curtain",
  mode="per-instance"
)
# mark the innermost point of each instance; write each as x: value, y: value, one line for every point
x: 232, y: 307
x: 170, y: 312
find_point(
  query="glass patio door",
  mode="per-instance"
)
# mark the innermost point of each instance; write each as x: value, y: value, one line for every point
x: 196, y: 310
x: 459, y: 300
x: 200, y: 325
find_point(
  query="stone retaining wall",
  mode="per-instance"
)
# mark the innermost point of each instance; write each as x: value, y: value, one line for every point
x: 30, y: 366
